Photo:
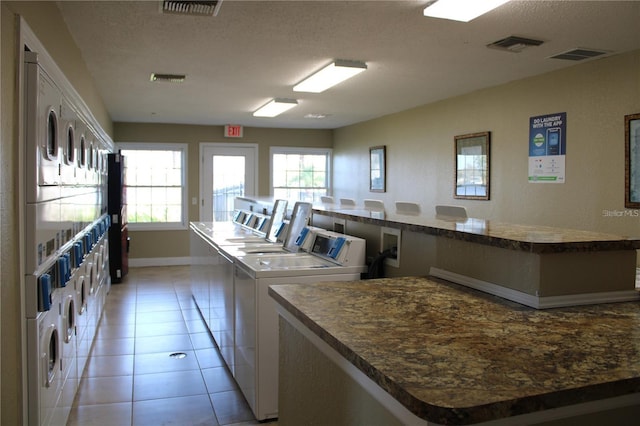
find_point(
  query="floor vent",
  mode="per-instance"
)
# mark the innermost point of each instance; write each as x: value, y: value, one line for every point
x: 197, y: 8
x: 578, y: 54
x: 514, y: 44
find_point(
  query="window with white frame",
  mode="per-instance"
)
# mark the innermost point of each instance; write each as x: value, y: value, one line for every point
x: 302, y: 174
x: 155, y: 184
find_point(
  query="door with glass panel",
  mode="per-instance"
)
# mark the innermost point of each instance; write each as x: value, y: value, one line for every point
x: 228, y: 171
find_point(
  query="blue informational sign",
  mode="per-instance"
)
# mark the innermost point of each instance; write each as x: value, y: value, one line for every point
x: 547, y: 148
x: 547, y: 135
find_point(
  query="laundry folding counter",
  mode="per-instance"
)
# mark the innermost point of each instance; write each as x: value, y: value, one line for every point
x: 538, y: 266
x: 421, y: 351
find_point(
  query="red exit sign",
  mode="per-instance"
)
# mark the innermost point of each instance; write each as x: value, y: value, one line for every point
x: 232, y: 131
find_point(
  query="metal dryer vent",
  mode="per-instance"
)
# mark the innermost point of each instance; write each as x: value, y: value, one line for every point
x: 196, y: 8
x: 514, y: 44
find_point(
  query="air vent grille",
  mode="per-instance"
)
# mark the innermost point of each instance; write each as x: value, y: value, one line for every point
x: 171, y: 78
x: 514, y: 44
x: 197, y: 8
x: 579, y: 54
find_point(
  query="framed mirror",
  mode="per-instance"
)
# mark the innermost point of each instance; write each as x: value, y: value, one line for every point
x: 377, y: 169
x: 472, y: 161
x: 632, y: 161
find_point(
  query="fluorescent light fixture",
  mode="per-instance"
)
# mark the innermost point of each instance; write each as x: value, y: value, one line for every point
x: 275, y: 107
x: 334, y: 73
x: 461, y: 10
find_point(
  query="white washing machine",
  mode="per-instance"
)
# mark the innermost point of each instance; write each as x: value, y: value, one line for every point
x: 84, y: 340
x: 81, y: 155
x: 44, y: 351
x: 282, y: 237
x: 43, y: 236
x: 43, y: 128
x: 212, y: 272
x: 59, y: 209
x: 69, y: 379
x: 332, y: 257
x: 68, y: 138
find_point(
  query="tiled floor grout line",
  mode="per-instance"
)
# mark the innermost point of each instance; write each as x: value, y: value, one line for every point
x: 129, y: 300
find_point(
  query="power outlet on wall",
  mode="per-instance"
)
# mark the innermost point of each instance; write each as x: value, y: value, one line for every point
x: 391, y: 237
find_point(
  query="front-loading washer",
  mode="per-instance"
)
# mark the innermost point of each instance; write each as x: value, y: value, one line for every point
x: 69, y: 346
x: 44, y: 352
x: 67, y: 294
x: 68, y: 139
x: 84, y: 341
x: 43, y: 128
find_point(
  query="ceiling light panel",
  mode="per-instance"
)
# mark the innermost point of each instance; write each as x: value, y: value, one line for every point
x: 275, y: 107
x: 461, y: 10
x: 334, y: 73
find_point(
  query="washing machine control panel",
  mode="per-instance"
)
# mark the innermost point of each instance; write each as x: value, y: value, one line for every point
x: 345, y: 250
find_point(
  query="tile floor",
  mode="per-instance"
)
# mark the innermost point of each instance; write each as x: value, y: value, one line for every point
x: 131, y: 379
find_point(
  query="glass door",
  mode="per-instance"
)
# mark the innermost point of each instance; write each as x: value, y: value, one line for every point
x: 228, y: 171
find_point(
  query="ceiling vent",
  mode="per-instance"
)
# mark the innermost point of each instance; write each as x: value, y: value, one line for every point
x: 170, y: 78
x: 196, y: 8
x: 514, y: 44
x: 579, y: 54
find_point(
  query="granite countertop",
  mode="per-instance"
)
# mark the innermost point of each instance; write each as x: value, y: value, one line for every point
x: 452, y: 355
x: 532, y: 238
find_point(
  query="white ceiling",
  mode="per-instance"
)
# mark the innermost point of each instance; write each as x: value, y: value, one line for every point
x: 254, y: 51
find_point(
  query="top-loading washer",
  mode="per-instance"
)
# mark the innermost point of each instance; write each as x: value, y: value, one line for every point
x: 249, y: 227
x: 282, y: 237
x: 331, y: 257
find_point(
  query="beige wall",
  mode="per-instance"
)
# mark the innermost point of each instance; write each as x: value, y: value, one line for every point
x: 9, y: 272
x: 596, y: 96
x: 44, y: 19
x: 150, y: 244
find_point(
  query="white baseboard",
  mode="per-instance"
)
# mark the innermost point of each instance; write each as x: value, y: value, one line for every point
x: 538, y: 302
x: 159, y: 261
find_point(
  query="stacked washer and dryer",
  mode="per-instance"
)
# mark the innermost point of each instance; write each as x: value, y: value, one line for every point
x: 66, y: 248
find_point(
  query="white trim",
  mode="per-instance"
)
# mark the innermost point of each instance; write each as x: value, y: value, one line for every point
x: 205, y: 145
x: 301, y: 150
x: 159, y: 261
x: 538, y: 302
x: 161, y: 146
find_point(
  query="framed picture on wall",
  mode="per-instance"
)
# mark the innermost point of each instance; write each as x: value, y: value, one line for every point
x: 472, y: 163
x: 632, y: 161
x: 377, y: 169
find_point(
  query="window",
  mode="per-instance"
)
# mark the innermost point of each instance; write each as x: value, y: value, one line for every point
x: 300, y: 173
x: 155, y: 185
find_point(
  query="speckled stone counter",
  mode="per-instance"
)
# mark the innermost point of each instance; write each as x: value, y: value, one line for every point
x: 538, y: 266
x: 451, y: 355
x: 529, y: 238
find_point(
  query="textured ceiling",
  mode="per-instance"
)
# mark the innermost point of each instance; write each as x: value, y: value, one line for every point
x: 254, y: 51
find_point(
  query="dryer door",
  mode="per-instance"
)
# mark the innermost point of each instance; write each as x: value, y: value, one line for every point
x: 50, y: 356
